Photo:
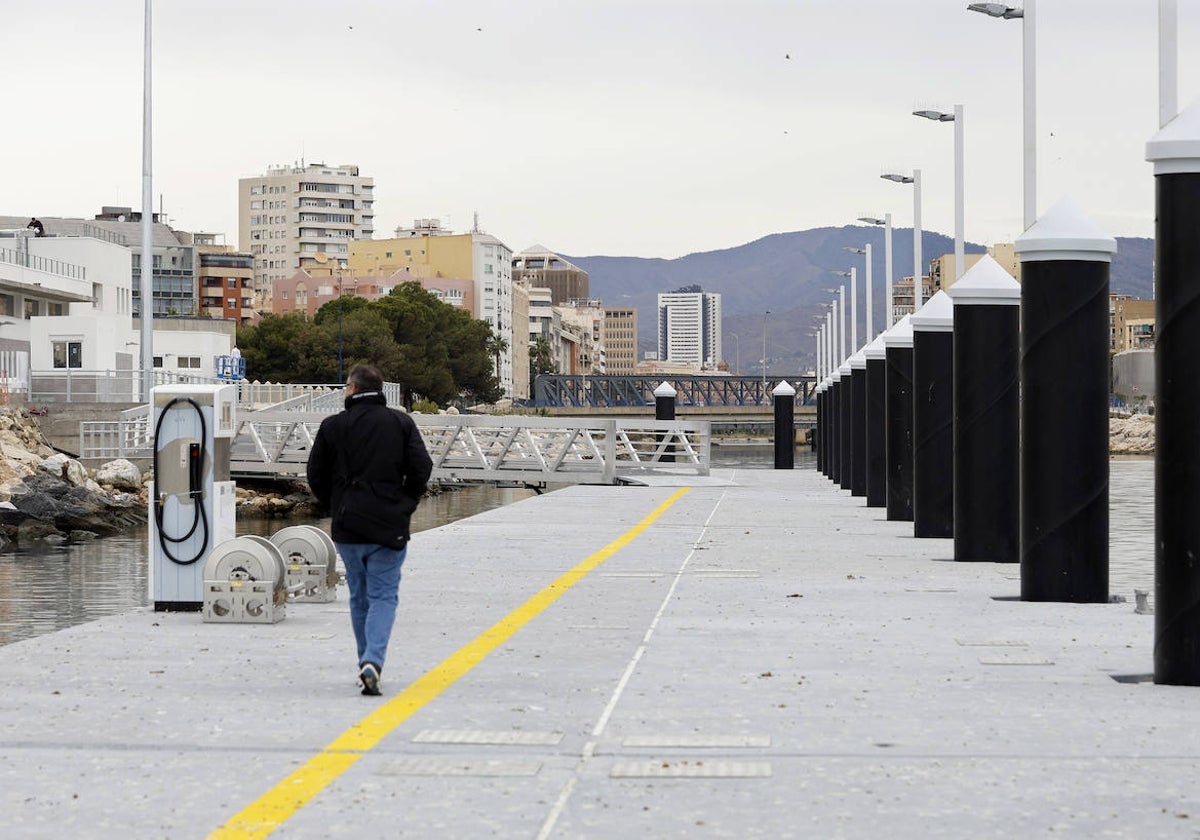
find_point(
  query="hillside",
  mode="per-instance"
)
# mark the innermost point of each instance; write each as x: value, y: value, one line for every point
x: 788, y: 274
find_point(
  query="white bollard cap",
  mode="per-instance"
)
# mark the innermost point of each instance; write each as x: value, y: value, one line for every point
x: 875, y: 350
x: 900, y: 335
x: 858, y: 361
x: 1065, y: 232
x: 663, y: 390
x: 937, y: 315
x: 986, y: 283
x: 784, y: 390
x: 1175, y: 149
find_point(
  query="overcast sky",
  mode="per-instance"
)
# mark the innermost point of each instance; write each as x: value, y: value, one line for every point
x: 624, y: 127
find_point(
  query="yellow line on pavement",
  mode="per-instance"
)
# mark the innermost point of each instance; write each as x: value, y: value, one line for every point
x: 273, y: 808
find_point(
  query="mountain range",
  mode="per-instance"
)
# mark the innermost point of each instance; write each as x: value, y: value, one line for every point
x: 789, y: 275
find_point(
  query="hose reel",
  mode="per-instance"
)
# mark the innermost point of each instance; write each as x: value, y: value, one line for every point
x: 310, y: 563
x: 244, y: 582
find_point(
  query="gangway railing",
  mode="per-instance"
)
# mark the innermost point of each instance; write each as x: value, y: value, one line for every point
x: 464, y: 448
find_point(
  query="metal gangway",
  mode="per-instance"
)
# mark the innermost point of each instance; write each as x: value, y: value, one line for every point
x: 274, y: 442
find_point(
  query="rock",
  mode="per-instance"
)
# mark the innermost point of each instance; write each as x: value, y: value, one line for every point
x: 121, y: 474
x: 83, y: 536
x: 35, y: 530
x: 38, y: 506
x: 65, y: 467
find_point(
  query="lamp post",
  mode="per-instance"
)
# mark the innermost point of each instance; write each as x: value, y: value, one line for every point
x: 1168, y: 61
x: 341, y: 281
x: 852, y: 275
x: 1029, y: 74
x: 955, y: 117
x: 886, y: 221
x: 737, y: 351
x: 915, y: 180
x: 870, y: 325
x: 764, y: 358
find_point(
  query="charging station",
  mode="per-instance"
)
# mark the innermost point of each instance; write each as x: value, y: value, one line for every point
x: 192, y: 501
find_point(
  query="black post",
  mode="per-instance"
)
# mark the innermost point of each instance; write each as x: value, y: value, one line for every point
x: 1176, y: 157
x: 858, y: 425
x: 785, y: 426
x: 664, y: 409
x: 933, y: 418
x: 986, y: 461
x: 835, y: 428
x: 822, y: 426
x: 1065, y: 261
x: 845, y: 410
x: 898, y: 410
x: 876, y: 423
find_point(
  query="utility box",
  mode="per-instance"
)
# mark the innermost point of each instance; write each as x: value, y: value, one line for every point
x: 192, y: 501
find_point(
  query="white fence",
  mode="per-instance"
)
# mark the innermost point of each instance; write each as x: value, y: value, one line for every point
x: 463, y: 448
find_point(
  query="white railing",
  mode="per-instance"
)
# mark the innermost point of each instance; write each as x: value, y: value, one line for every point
x: 463, y: 448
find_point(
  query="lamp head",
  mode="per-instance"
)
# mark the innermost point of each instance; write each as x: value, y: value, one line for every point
x: 842, y: 273
x: 871, y: 220
x: 899, y: 179
x: 996, y: 10
x: 854, y: 250
x: 936, y: 116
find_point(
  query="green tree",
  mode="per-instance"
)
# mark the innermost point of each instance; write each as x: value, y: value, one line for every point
x: 540, y: 361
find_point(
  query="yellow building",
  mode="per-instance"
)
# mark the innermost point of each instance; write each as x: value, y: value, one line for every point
x: 427, y: 250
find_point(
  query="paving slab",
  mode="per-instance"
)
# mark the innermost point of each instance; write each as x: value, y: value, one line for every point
x: 767, y: 658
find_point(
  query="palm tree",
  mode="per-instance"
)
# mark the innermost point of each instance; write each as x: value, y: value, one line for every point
x: 497, y: 345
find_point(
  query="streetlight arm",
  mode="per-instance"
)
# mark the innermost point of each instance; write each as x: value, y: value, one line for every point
x: 996, y: 10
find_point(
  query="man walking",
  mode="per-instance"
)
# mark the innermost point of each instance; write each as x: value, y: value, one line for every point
x: 369, y: 467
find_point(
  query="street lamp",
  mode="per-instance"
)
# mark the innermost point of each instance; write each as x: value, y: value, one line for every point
x: 1029, y: 73
x: 866, y: 250
x: 1168, y: 60
x: 886, y: 221
x: 341, y: 280
x: 737, y: 350
x: 955, y: 117
x: 764, y: 359
x: 915, y: 180
x: 852, y: 274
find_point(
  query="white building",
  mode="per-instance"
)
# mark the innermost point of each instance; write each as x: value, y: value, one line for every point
x: 689, y: 328
x: 296, y: 216
x: 66, y: 315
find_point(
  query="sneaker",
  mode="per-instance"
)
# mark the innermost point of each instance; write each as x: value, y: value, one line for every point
x: 368, y: 679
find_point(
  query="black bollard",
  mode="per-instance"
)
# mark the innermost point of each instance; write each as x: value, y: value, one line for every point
x: 785, y: 426
x: 1175, y: 152
x: 1065, y: 262
x: 845, y: 410
x: 986, y: 359
x: 858, y: 425
x: 933, y: 418
x: 876, y: 423
x: 835, y: 426
x: 898, y: 411
x: 822, y: 425
x: 664, y: 409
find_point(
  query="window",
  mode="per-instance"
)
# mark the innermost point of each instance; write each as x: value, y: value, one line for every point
x: 67, y: 353
x: 233, y: 283
x: 7, y: 305
x: 32, y: 308
x: 189, y: 362
x: 157, y: 361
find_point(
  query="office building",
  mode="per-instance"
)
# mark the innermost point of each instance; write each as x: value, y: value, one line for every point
x: 540, y: 267
x: 689, y: 328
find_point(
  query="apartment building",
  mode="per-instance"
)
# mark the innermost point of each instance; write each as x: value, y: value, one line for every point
x: 1131, y: 323
x: 293, y: 217
x: 689, y: 328
x: 225, y: 281
x: 588, y: 316
x: 620, y: 339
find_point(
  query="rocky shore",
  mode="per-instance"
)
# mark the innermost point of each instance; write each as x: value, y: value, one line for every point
x: 1131, y: 434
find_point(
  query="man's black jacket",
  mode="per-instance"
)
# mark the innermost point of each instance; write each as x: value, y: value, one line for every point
x: 380, y: 451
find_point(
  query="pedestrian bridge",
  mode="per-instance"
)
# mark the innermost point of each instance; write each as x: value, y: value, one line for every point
x: 274, y: 442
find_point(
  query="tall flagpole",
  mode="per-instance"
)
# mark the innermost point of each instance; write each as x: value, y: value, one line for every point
x: 147, y: 273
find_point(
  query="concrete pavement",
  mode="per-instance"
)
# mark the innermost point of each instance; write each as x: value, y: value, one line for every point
x: 759, y: 656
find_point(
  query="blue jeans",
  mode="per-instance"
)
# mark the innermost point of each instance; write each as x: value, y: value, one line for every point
x: 373, y: 575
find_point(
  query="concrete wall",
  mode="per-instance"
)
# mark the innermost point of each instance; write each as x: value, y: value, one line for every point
x: 1133, y: 375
